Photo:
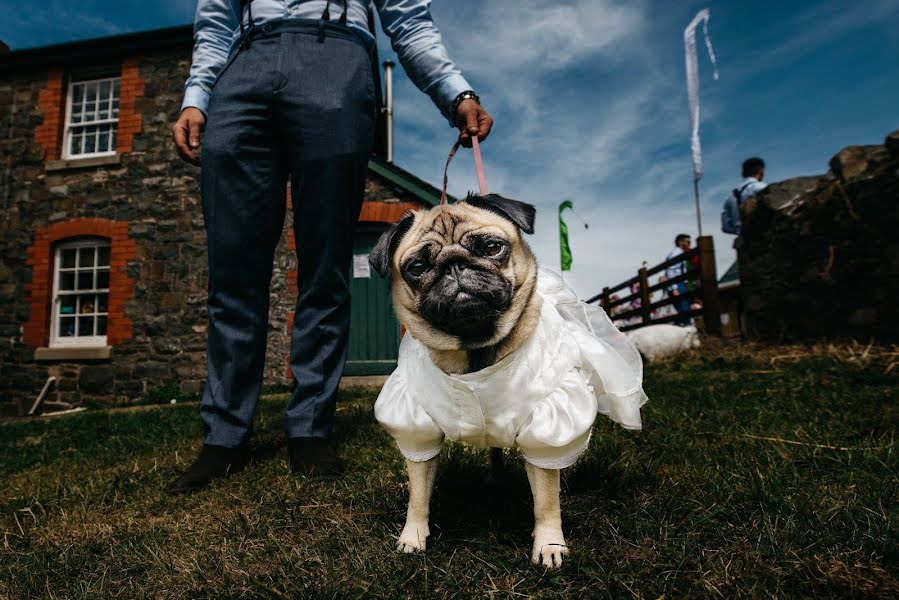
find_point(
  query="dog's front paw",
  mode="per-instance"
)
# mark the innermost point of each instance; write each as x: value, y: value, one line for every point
x: 549, y: 547
x: 413, y: 538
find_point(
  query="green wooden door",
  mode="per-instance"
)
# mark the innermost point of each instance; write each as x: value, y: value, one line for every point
x: 374, y: 329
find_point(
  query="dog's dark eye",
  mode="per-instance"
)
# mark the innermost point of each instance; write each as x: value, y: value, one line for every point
x: 492, y: 248
x: 416, y: 268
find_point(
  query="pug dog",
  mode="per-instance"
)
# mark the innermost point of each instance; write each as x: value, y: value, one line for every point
x: 464, y: 284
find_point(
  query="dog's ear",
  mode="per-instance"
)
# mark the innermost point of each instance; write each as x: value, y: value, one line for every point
x: 520, y: 213
x: 380, y: 256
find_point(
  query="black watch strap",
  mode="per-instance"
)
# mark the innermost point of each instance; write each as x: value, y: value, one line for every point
x: 467, y: 94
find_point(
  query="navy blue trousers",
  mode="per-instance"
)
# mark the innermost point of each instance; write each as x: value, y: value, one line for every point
x: 287, y: 105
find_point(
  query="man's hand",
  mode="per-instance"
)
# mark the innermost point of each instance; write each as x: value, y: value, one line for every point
x: 472, y: 119
x: 187, y: 132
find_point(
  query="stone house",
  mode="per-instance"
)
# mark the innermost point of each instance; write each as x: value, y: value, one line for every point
x: 102, y: 245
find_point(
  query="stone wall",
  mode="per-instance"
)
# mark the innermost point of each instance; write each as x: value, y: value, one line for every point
x: 819, y: 256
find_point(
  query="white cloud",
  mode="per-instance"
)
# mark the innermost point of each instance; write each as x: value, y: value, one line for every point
x: 537, y: 36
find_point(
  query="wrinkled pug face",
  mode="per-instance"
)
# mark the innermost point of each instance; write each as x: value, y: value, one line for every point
x: 461, y: 273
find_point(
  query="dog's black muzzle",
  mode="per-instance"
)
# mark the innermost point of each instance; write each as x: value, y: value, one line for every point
x: 466, y: 302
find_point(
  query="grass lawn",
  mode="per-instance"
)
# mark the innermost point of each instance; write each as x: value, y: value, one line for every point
x: 711, y: 499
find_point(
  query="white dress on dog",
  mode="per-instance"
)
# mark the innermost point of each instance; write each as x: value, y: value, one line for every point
x: 542, y: 398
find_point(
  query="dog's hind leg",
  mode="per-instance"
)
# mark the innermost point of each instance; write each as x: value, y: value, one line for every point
x: 421, y: 482
x: 549, y: 542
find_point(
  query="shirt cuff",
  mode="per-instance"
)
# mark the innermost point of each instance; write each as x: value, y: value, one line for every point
x: 420, y: 452
x: 445, y: 91
x: 549, y: 457
x: 196, y: 97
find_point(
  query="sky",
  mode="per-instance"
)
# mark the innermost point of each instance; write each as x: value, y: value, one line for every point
x: 590, y: 103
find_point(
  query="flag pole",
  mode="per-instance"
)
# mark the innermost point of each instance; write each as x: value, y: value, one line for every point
x: 698, y: 216
x: 692, y: 68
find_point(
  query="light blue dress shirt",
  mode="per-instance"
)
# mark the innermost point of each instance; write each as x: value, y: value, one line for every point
x: 677, y: 269
x: 748, y: 188
x: 407, y: 23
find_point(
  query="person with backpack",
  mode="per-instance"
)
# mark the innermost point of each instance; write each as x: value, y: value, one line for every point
x: 753, y: 174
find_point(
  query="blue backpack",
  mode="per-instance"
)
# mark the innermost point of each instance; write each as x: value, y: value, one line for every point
x: 730, y: 216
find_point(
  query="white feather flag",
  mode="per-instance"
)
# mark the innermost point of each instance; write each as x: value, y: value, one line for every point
x: 693, y: 82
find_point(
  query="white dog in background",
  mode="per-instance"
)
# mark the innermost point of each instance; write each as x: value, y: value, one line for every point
x: 657, y: 342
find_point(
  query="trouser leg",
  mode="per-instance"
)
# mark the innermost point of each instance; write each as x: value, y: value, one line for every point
x: 327, y: 110
x: 242, y: 187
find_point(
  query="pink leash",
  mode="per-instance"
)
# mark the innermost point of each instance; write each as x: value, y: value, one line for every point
x: 478, y: 166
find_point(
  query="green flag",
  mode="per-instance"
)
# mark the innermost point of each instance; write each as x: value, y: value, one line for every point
x: 563, y: 236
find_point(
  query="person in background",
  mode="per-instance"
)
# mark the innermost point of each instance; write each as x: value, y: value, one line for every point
x: 682, y: 305
x: 285, y: 89
x: 615, y: 309
x: 753, y: 175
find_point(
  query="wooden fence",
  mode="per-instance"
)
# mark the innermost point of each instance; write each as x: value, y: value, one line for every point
x: 704, y: 288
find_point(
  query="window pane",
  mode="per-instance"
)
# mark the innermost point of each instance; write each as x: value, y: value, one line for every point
x: 103, y: 279
x: 103, y: 113
x: 89, y: 110
x: 68, y: 258
x: 86, y: 257
x: 85, y: 280
x: 77, y: 94
x: 76, y: 117
x: 103, y: 256
x: 102, y: 303
x: 115, y: 108
x: 67, y: 304
x: 66, y: 326
x: 85, y: 326
x: 113, y: 138
x: 104, y: 90
x: 115, y: 88
x: 90, y: 143
x: 103, y: 142
x: 101, y: 325
x: 67, y: 280
x: 90, y: 91
x: 75, y: 146
x: 86, y: 305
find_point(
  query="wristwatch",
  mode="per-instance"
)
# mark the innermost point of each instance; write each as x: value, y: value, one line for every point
x: 464, y: 96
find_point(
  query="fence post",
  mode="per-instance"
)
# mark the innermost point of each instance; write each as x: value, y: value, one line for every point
x: 708, y: 281
x: 605, y: 299
x: 644, y: 295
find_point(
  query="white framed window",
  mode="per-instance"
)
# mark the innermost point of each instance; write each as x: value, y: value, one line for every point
x: 80, y: 293
x: 92, y: 118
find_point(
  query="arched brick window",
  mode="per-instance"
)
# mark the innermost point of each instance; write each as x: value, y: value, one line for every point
x: 79, y: 303
x: 79, y: 284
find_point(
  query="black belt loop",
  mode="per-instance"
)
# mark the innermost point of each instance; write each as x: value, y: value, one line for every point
x: 326, y: 18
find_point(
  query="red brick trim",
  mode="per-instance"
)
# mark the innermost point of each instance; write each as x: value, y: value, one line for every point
x: 132, y: 87
x: 40, y: 256
x: 289, y: 328
x: 291, y: 282
x: 48, y: 135
x: 376, y: 211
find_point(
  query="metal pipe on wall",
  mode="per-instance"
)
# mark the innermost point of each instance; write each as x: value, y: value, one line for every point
x: 388, y: 106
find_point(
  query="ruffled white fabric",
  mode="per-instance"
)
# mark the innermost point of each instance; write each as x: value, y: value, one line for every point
x: 541, y: 399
